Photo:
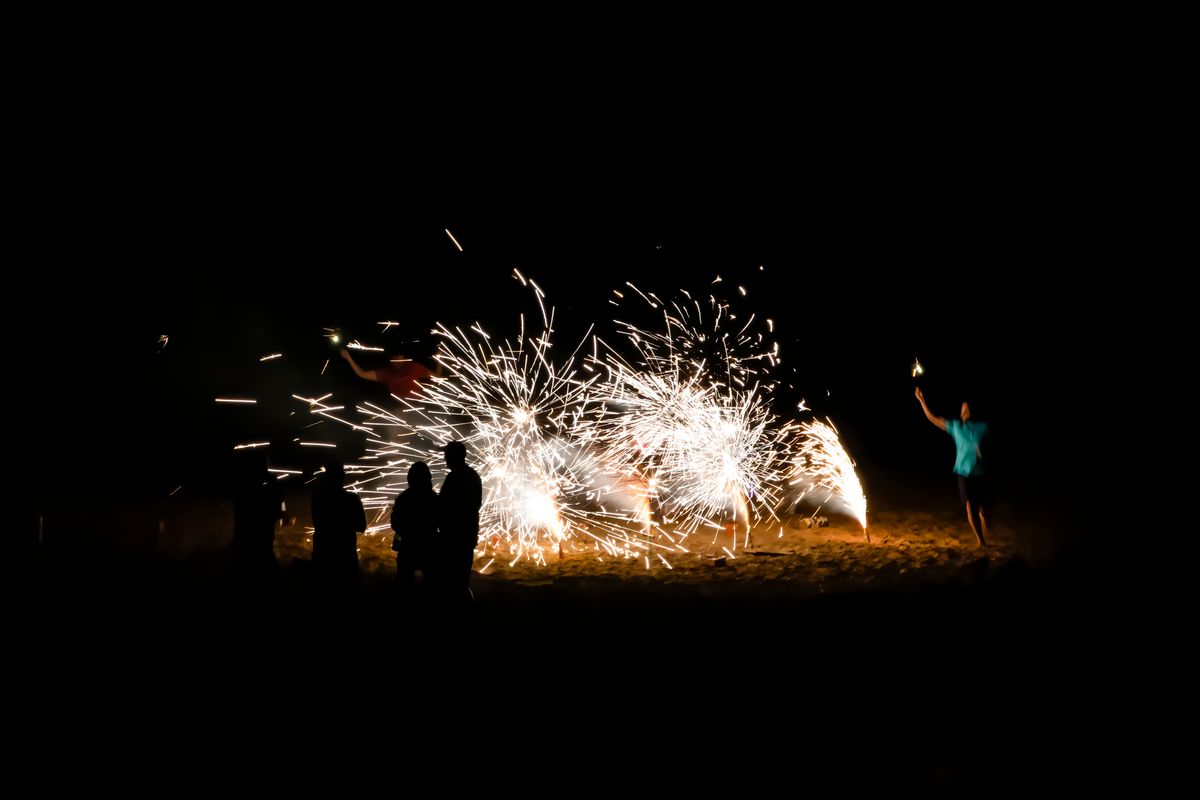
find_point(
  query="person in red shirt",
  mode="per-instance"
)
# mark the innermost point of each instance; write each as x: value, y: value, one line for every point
x: 401, y: 376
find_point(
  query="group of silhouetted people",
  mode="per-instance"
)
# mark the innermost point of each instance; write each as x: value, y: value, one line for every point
x: 437, y: 533
x: 434, y: 532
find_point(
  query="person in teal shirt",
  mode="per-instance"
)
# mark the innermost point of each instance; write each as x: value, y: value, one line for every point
x: 968, y: 463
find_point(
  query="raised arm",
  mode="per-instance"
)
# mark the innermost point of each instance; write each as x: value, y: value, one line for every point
x: 369, y: 374
x: 939, y: 421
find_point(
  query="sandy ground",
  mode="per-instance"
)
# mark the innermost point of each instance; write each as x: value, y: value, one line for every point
x: 906, y: 549
x: 919, y: 628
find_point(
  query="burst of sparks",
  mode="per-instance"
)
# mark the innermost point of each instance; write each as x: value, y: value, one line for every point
x: 689, y: 414
x: 515, y: 410
x: 822, y: 467
x: 628, y: 449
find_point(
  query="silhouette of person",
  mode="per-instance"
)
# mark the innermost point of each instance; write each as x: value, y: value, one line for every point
x: 401, y: 376
x: 338, y: 518
x: 415, y: 521
x: 257, y: 509
x: 461, y: 497
x: 968, y: 463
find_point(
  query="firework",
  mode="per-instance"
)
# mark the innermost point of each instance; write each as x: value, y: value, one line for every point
x: 623, y: 451
x: 690, y: 415
x: 516, y: 410
x: 822, y: 468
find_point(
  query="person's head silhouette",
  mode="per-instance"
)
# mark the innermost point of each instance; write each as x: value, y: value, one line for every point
x: 335, y: 474
x: 250, y: 470
x: 456, y: 454
x: 419, y: 477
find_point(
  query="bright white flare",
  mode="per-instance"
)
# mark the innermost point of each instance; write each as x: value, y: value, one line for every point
x: 690, y: 413
x: 822, y: 467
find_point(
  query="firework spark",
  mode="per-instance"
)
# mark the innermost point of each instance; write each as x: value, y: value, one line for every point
x: 821, y: 467
x: 515, y: 409
x: 624, y: 452
x: 689, y: 414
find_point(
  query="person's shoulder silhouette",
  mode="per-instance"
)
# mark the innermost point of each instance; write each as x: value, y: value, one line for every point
x: 338, y: 517
x: 257, y: 508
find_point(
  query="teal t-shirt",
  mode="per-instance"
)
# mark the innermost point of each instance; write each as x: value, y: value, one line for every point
x: 966, y: 440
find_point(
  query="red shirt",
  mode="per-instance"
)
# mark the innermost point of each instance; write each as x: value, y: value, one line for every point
x: 402, y: 378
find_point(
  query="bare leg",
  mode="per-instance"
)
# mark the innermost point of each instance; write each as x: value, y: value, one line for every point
x: 982, y: 523
x: 971, y: 522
